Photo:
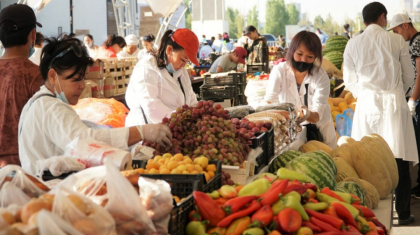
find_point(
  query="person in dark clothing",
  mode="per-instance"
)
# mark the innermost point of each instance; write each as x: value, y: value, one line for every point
x: 346, y: 31
x: 258, y: 50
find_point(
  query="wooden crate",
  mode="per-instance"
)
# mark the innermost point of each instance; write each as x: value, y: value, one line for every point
x: 239, y: 174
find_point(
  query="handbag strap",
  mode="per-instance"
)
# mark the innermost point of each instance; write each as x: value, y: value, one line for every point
x: 305, y: 97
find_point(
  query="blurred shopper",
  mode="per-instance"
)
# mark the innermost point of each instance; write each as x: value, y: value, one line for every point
x: 160, y: 82
x: 242, y: 40
x: 39, y: 44
x: 111, y: 47
x: 380, y: 81
x: 347, y: 32
x: 147, y: 44
x: 20, y: 78
x: 89, y: 44
x: 227, y: 45
x: 211, y: 41
x: 228, y: 62
x: 205, y: 51
x: 402, y: 25
x: 258, y: 50
x: 218, y: 43
x: 281, y: 41
x: 321, y: 36
x: 131, y: 50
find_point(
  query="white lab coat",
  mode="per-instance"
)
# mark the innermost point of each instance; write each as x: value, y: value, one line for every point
x: 378, y: 71
x: 48, y: 125
x: 156, y: 91
x: 282, y: 88
x: 124, y: 55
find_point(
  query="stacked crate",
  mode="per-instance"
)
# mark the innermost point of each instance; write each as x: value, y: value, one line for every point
x: 224, y: 86
x: 120, y: 71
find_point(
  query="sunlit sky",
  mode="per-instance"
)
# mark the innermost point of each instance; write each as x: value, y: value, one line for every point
x: 339, y: 9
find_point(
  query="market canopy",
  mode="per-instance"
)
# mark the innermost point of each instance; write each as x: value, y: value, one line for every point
x: 163, y: 7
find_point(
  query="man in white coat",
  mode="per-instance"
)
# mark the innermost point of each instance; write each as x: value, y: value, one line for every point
x: 378, y: 71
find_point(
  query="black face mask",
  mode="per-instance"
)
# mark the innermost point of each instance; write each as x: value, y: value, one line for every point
x: 301, y: 66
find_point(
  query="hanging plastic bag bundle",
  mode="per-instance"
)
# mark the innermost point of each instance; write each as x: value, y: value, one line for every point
x: 31, y: 185
x: 10, y: 194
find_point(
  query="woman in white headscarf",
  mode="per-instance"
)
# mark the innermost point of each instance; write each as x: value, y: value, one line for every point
x: 131, y: 50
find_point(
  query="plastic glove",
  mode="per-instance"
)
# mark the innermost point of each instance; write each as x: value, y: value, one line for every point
x: 304, y: 114
x: 156, y: 133
x: 412, y: 107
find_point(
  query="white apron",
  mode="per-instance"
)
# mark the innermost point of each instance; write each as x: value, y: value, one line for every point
x: 386, y: 113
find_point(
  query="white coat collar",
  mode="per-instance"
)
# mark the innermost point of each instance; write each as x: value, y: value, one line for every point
x: 293, y: 85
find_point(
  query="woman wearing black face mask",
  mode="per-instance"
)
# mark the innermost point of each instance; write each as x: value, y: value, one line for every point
x: 299, y: 75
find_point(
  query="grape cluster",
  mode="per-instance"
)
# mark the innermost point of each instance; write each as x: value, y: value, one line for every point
x: 205, y: 130
x: 248, y: 129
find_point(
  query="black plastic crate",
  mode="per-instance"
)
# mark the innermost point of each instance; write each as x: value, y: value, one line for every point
x: 257, y: 141
x: 269, y: 145
x: 260, y: 160
x: 230, y: 79
x: 179, y: 214
x: 255, y: 68
x: 138, y: 164
x: 216, y: 182
x: 219, y: 92
x: 48, y: 176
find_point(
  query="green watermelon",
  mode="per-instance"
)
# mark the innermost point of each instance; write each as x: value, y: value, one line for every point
x: 326, y: 157
x: 283, y: 159
x: 315, y: 168
x: 335, y: 57
x: 335, y: 43
x: 353, y: 188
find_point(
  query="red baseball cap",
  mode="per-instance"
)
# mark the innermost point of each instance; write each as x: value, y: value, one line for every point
x: 189, y: 41
x: 241, y: 53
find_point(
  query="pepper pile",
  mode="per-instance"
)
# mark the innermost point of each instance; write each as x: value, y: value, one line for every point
x: 273, y: 205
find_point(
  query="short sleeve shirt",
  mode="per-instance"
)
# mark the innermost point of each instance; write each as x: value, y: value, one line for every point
x: 224, y: 62
x: 415, y: 52
x: 20, y: 79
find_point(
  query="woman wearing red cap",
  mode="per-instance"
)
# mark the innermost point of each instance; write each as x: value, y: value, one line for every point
x: 160, y: 83
x: 228, y: 62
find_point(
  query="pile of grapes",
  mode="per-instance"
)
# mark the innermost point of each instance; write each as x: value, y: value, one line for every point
x: 205, y: 130
x: 248, y: 129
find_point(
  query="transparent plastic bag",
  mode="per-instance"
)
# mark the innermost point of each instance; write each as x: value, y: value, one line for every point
x: 344, y: 123
x: 255, y: 91
x: 125, y: 206
x: 281, y: 106
x: 10, y: 194
x: 85, y: 215
x: 156, y: 197
x: 31, y: 185
x: 240, y: 111
x: 50, y: 224
x: 58, y: 165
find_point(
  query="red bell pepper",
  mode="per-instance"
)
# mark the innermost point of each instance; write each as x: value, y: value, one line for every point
x: 194, y: 216
x: 272, y: 195
x: 335, y: 222
x: 275, y: 223
x: 364, y: 211
x: 330, y: 193
x: 290, y: 220
x: 312, y: 187
x: 356, y: 199
x: 208, y: 208
x: 262, y: 217
x: 313, y: 200
x: 344, y: 214
x: 312, y: 226
x: 325, y: 227
x: 331, y: 211
x: 221, y: 201
x: 295, y: 187
x: 254, y: 206
x: 233, y: 205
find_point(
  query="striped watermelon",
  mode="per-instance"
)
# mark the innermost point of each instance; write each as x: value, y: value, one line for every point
x: 282, y: 160
x: 327, y: 158
x: 353, y: 188
x: 335, y: 43
x: 315, y: 168
x: 335, y: 57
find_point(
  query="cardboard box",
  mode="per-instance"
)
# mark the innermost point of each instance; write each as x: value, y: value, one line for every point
x: 109, y: 87
x: 96, y: 70
x: 97, y: 88
x: 87, y: 92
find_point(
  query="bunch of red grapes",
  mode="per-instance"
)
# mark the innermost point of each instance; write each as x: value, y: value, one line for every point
x: 248, y: 129
x: 205, y: 130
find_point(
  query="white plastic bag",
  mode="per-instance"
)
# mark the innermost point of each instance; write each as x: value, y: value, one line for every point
x: 124, y: 204
x: 86, y: 216
x: 58, y: 165
x: 255, y: 91
x: 91, y: 153
x: 50, y: 224
x: 31, y: 185
x: 156, y: 197
x: 10, y: 194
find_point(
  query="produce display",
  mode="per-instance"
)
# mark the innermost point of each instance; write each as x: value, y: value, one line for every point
x: 207, y: 131
x: 334, y: 49
x: 340, y: 105
x: 281, y: 204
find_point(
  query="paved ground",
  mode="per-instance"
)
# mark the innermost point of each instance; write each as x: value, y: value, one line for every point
x: 414, y: 228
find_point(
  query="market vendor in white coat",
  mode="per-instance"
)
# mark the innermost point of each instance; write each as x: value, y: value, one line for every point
x: 288, y: 82
x: 48, y: 123
x: 378, y: 71
x: 160, y: 83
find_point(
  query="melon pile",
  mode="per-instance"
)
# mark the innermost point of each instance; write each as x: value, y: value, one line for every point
x: 334, y: 49
x: 366, y: 168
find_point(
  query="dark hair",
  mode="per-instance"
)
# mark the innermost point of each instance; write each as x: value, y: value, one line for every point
x: 372, y: 11
x: 112, y: 40
x: 204, y: 36
x: 148, y: 38
x: 310, y: 41
x: 68, y: 61
x: 72, y: 35
x: 39, y: 39
x: 15, y: 37
x: 226, y: 39
x: 213, y: 38
x: 346, y: 26
x: 89, y: 36
x: 166, y: 41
